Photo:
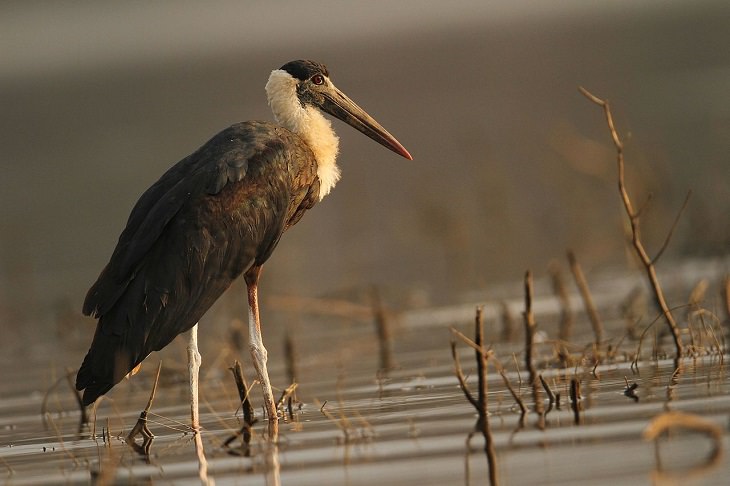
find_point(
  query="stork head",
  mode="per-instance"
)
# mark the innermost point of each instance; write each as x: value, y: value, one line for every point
x: 299, y: 87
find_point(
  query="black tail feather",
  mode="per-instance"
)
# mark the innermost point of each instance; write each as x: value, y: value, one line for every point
x: 108, y: 361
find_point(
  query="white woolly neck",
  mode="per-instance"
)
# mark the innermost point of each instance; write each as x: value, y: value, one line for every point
x: 307, y: 122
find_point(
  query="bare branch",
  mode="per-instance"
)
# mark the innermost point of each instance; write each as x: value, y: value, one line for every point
x: 585, y: 293
x: 460, y: 376
x: 465, y: 339
x: 512, y: 391
x: 566, y: 315
x: 530, y: 328
x: 634, y: 221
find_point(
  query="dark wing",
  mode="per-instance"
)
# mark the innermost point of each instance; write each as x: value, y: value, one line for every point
x: 224, y: 159
x: 208, y: 219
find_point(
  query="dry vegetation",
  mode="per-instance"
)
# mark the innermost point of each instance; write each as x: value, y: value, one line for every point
x: 703, y: 327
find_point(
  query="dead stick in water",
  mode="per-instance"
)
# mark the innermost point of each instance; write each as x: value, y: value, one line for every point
x: 548, y: 390
x: 248, y: 411
x: 668, y: 421
x: 382, y: 326
x: 460, y: 376
x: 291, y: 370
x: 575, y: 399
x: 481, y: 357
x: 530, y: 328
x: 77, y: 394
x: 287, y: 394
x: 480, y: 403
x: 44, y: 406
x: 244, y: 390
x: 585, y: 293
x: 515, y: 396
x: 681, y: 420
x: 507, y: 322
x: 530, y: 325
x: 726, y: 297
x: 633, y: 216
x: 566, y: 315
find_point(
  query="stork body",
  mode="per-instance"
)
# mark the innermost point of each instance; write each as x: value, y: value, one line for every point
x: 214, y: 216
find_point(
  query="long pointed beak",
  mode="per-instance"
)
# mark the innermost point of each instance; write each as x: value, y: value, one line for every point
x: 337, y: 104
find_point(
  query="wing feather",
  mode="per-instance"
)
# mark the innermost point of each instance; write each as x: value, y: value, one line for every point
x: 207, y: 220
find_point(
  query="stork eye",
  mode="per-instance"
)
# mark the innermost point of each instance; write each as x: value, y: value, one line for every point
x: 318, y: 79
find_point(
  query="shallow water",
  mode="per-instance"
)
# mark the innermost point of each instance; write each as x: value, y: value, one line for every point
x: 408, y: 425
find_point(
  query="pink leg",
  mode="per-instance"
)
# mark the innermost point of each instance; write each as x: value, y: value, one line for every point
x: 194, y: 361
x: 258, y: 351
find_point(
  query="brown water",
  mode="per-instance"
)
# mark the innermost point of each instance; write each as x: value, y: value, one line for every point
x: 405, y: 426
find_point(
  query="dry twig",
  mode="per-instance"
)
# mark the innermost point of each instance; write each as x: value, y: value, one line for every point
x: 633, y: 216
x: 479, y: 403
x: 249, y: 418
x: 382, y: 326
x: 291, y: 370
x: 682, y: 420
x: 44, y: 406
x: 548, y: 390
x: 287, y: 394
x: 575, y: 400
x: 530, y: 328
x: 566, y: 315
x: 508, y: 325
x: 515, y: 396
x: 679, y: 420
x: 726, y: 297
x: 585, y: 293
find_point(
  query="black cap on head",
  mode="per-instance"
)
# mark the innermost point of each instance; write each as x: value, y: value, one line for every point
x: 304, y: 69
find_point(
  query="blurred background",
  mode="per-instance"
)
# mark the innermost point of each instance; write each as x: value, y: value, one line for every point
x: 512, y: 165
